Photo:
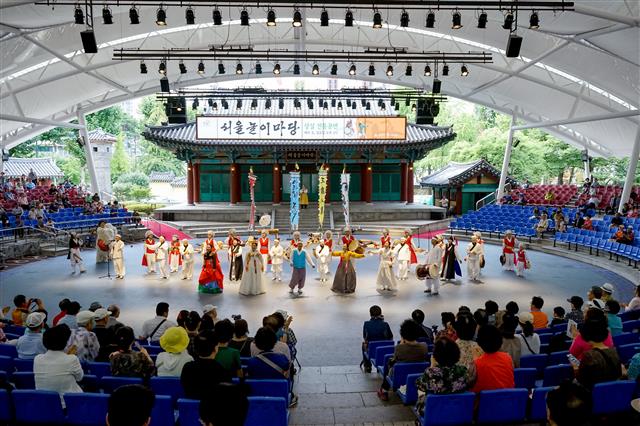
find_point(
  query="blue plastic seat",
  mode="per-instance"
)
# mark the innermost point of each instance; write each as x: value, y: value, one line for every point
x: 86, y: 408
x: 99, y: 369
x: 188, y: 412
x: 556, y: 374
x: 23, y: 364
x: 525, y: 377
x: 109, y: 383
x: 380, y: 353
x: 409, y: 394
x: 402, y: 369
x: 37, y: 407
x: 262, y: 408
x: 277, y: 388
x: 626, y: 352
x: 153, y: 350
x: 539, y: 362
x: 556, y: 358
x: 162, y: 413
x: 169, y: 386
x: 371, y: 348
x: 630, y: 326
x: 626, y: 339
x: 613, y: 397
x: 15, y: 329
x: 6, y: 410
x: 8, y: 350
x: 502, y: 406
x: 23, y: 380
x: 6, y: 364
x: 448, y: 410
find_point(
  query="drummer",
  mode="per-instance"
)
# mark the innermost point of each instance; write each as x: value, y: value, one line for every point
x: 385, y: 238
x: 348, y: 237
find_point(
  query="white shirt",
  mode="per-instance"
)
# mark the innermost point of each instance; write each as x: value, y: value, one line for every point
x: 323, y: 253
x: 117, y: 249
x: 434, y: 257
x: 633, y: 304
x: 150, y: 325
x: 280, y: 348
x: 533, y: 341
x: 161, y: 250
x: 57, y: 371
x: 276, y: 253
x: 475, y: 251
x: 187, y: 252
x: 170, y: 364
x: 403, y: 252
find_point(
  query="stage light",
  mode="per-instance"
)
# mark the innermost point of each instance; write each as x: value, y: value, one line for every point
x: 221, y: 68
x: 404, y: 18
x: 431, y: 19
x: 271, y: 18
x: 464, y: 71
x: 382, y: 107
x: 368, y: 106
x: 239, y: 69
x: 297, y: 18
x: 244, y: 18
x: 353, y: 105
x: 348, y: 18
x: 389, y: 71
x: 372, y: 70
x: 162, y: 68
x: 297, y: 105
x: 456, y: 21
x: 340, y: 106
x: 325, y: 105
x: 320, y: 103
x: 258, y: 68
x: 315, y: 70
x: 143, y: 67
x: 78, y: 15
x: 195, y: 104
x: 164, y: 85
x: 409, y: 70
x: 508, y: 20
x: 352, y: 69
x: 217, y: 17
x: 239, y: 104
x: 534, y: 21
x: 161, y: 17
x: 377, y: 20
x: 134, y: 16
x: 254, y: 104
x: 107, y: 16
x: 182, y: 67
x: 201, y: 68
x: 309, y: 103
x: 281, y: 103
x: 333, y: 103
x: 363, y: 102
x: 214, y: 106
x: 296, y: 69
x: 267, y: 104
x: 276, y: 69
x: 396, y: 107
x: 324, y: 18
x: 190, y: 16
x: 334, y: 69
x: 482, y: 20
x: 445, y: 70
x: 427, y: 71
x: 225, y: 104
x: 413, y: 108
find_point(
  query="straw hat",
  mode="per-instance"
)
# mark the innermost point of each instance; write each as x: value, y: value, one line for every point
x: 174, y: 340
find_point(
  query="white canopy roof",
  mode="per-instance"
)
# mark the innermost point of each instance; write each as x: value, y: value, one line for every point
x: 578, y: 64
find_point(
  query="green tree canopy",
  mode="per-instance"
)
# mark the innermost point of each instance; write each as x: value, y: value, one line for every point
x: 132, y: 187
x: 119, y: 161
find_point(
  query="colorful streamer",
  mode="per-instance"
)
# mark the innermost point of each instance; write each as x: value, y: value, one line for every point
x: 252, y: 184
x: 322, y: 192
x: 344, y: 186
x: 294, y: 209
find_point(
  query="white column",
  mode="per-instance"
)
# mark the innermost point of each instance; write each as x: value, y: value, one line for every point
x: 507, y: 159
x: 631, y: 171
x: 88, y: 150
x: 587, y: 166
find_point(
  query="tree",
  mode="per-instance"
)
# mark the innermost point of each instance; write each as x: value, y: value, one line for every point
x: 71, y: 168
x: 132, y: 187
x: 119, y: 161
x: 109, y: 119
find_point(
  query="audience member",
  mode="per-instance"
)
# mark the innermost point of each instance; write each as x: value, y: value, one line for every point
x: 373, y: 330
x: 210, y: 311
x: 63, y: 305
x: 56, y: 370
x: 192, y: 325
x: 228, y: 357
x: 203, y: 372
x: 241, y: 340
x: 154, y: 328
x: 280, y: 347
x: 466, y: 327
x: 595, y: 298
x: 267, y: 364
x: 447, y: 318
x: 174, y: 341
x: 30, y: 344
x: 511, y: 307
x: 491, y: 308
x: 70, y: 317
x: 511, y: 344
x: 558, y: 316
x: 426, y: 333
x: 569, y: 405
x: 587, y: 223
x: 94, y: 306
x: 612, y: 308
x: 113, y: 318
x: 234, y: 400
x: 126, y: 362
x: 581, y: 343
x: 576, y: 313
x: 83, y: 339
x: 130, y: 405
x: 284, y: 331
x: 607, y: 292
x: 600, y: 363
x: 182, y: 317
x: 23, y: 308
x: 106, y: 336
x: 634, y: 303
x: 494, y: 369
x: 540, y: 319
x: 529, y: 340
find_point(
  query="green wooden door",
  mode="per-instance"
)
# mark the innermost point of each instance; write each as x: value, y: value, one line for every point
x: 214, y: 185
x: 386, y: 185
x: 263, y: 190
x: 468, y: 201
x: 354, y: 184
x: 309, y: 180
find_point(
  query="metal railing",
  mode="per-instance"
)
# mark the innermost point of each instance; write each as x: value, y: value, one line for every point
x: 486, y: 200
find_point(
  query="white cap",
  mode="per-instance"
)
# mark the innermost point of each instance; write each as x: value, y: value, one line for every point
x: 84, y: 317
x: 35, y: 319
x: 597, y: 303
x: 607, y: 288
x: 101, y: 313
x: 208, y: 308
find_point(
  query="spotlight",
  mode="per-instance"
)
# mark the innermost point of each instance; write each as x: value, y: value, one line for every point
x: 162, y: 68
x: 276, y: 69
x: 427, y: 71
x: 363, y: 102
x: 372, y: 70
x: 513, y: 46
x: 221, y: 68
x: 239, y: 69
x: 389, y: 71
x: 320, y: 103
x: 182, y: 67
x: 239, y: 104
x: 217, y: 17
x: 404, y: 18
x: 534, y: 21
x: 280, y: 103
x: 297, y: 18
x: 333, y: 103
x: 348, y: 18
x: 309, y: 103
x: 413, y: 108
x: 324, y: 18
x: 107, y: 16
x: 78, y: 15
x: 482, y: 20
x: 201, y: 68
x: 190, y: 16
x: 267, y: 104
x: 143, y: 67
x: 409, y: 70
x: 383, y: 106
x: 210, y: 102
x: 445, y: 70
x: 164, y: 85
x: 352, y: 69
x: 214, y: 106
x: 437, y: 86
x: 315, y: 70
x: 258, y: 68
x: 225, y: 104
x: 368, y: 106
x: 254, y: 104
x: 456, y: 21
x: 377, y: 20
x: 134, y: 16
x: 325, y: 105
x: 431, y: 19
x: 334, y: 69
x: 296, y: 69
x: 195, y: 104
x: 508, y: 21
x: 340, y: 106
x: 296, y: 104
x: 271, y: 18
x: 464, y: 71
x: 353, y: 105
x: 161, y: 17
x: 244, y: 18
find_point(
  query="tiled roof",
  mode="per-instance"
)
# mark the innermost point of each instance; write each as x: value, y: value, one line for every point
x: 43, y: 167
x: 161, y: 177
x: 179, y: 182
x: 458, y: 173
x: 100, y: 135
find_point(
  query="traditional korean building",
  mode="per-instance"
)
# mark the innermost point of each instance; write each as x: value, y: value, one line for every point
x: 377, y: 148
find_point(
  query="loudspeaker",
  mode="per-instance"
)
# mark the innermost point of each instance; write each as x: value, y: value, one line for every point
x: 164, y: 85
x: 176, y: 110
x: 427, y: 110
x: 513, y: 46
x: 89, y: 41
x: 437, y: 85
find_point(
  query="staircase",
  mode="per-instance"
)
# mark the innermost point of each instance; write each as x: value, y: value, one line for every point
x: 308, y: 221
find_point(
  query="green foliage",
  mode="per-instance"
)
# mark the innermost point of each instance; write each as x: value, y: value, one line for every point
x: 612, y: 171
x: 24, y: 150
x: 108, y: 119
x: 145, y: 208
x: 119, y: 161
x: 71, y: 167
x: 132, y: 186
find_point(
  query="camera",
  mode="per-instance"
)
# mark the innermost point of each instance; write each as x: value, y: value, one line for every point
x: 236, y: 317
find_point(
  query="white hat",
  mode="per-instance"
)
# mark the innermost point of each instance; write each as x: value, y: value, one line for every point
x: 597, y: 303
x: 208, y: 308
x: 607, y: 288
x: 84, y: 317
x: 101, y: 313
x: 524, y: 317
x: 35, y: 319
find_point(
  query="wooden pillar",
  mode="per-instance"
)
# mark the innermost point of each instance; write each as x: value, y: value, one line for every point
x: 190, y: 183
x: 196, y: 182
x: 234, y: 183
x: 410, y: 183
x: 403, y: 182
x: 366, y: 186
x: 277, y: 183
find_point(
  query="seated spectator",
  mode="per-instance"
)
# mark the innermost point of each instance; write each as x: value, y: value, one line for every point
x: 106, y: 336
x: 581, y: 343
x: 529, y: 340
x: 465, y: 327
x: 113, y: 318
x: 536, y: 214
x: 607, y: 291
x: 70, y: 317
x: 203, y: 372
x: 600, y: 363
x: 154, y: 328
x: 480, y: 315
x: 569, y: 405
x: 408, y: 350
x: 241, y: 340
x: 63, y: 305
x: 23, y: 308
x: 55, y: 370
x: 174, y: 341
x: 182, y: 317
x: 540, y: 319
x: 558, y: 316
x: 228, y: 358
x: 511, y: 344
x: 576, y: 313
x: 210, y: 311
x: 542, y: 226
x: 549, y: 196
x: 373, y: 330
x: 560, y: 221
x: 612, y: 308
x: 595, y: 298
x: 445, y: 375
x: 130, y: 405
x: 578, y: 221
x: 634, y: 303
x: 620, y: 235
x: 263, y: 365
x: 616, y: 220
x: 491, y: 308
x: 587, y: 224
x: 511, y: 307
x: 426, y: 333
x: 494, y: 369
x: 634, y: 367
x: 522, y: 199
x: 447, y: 319
x: 280, y: 347
x: 284, y: 331
x: 126, y: 362
x: 234, y: 400
x: 30, y: 344
x: 192, y: 325
x: 83, y: 339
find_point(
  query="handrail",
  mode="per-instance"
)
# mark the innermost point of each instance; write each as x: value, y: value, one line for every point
x: 487, y: 199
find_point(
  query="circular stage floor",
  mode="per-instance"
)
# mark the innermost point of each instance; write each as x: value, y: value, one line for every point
x: 328, y: 326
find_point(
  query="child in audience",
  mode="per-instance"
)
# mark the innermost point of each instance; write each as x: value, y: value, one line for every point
x: 373, y: 330
x: 540, y: 319
x: 558, y: 316
x: 569, y: 405
x: 612, y: 308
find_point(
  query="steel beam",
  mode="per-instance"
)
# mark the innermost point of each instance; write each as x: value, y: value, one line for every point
x: 42, y: 121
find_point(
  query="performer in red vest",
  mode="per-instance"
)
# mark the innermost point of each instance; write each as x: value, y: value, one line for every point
x: 508, y: 251
x: 348, y: 237
x: 149, y: 256
x: 409, y: 242
x: 328, y: 239
x: 386, y: 238
x: 175, y: 259
x: 263, y: 243
x: 209, y: 242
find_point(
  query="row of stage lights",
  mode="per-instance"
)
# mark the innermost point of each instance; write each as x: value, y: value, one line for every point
x: 190, y: 17
x: 277, y: 69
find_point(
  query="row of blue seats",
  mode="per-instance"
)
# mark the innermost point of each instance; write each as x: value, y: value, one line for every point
x: 631, y: 252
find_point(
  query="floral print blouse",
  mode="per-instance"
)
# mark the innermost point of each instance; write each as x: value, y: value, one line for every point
x: 442, y: 380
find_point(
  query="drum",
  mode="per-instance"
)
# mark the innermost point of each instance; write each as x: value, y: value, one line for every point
x: 103, y: 246
x: 355, y: 247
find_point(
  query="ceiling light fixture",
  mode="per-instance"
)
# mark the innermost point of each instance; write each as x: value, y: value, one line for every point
x: 239, y: 70
x: 143, y: 67
x: 315, y: 70
x: 221, y: 68
x: 372, y: 70
x: 297, y: 18
x: 271, y: 18
x: 427, y: 71
x: 182, y: 68
x: 348, y: 18
x: 258, y: 68
x: 107, y: 16
x: 456, y: 20
x: 334, y: 69
x: 201, y: 68
x: 409, y: 70
x: 190, y: 16
x: 534, y: 20
x: 161, y: 17
x: 464, y: 71
x: 445, y: 70
x: 377, y: 20
x: 296, y: 69
x: 404, y: 19
x: 482, y: 20
x: 324, y: 18
x: 276, y: 69
x: 389, y: 71
x: 244, y: 18
x: 508, y: 20
x: 217, y: 16
x: 352, y: 69
x: 431, y: 19
x: 162, y: 68
x: 78, y: 15
x: 134, y: 16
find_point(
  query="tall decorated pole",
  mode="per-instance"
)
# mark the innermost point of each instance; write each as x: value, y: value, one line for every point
x: 294, y: 209
x: 322, y: 192
x: 344, y: 188
x: 252, y: 184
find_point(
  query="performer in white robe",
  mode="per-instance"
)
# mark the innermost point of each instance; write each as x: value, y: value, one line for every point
x: 434, y: 263
x: 276, y: 252
x: 322, y: 252
x: 474, y: 252
x: 105, y: 234
x: 74, y: 254
x: 117, y: 254
x: 402, y: 254
x: 386, y: 280
x: 162, y: 254
x: 188, y: 259
x: 149, y: 256
x: 252, y: 282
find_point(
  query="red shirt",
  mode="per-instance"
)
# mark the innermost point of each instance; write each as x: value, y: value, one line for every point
x: 58, y: 317
x: 494, y: 371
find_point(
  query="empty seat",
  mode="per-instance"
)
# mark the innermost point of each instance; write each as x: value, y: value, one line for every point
x: 409, y: 393
x: 560, y: 357
x: 539, y: 362
x: 625, y: 339
x: 626, y: 352
x: 267, y: 411
x: 502, y: 406
x: 402, y: 369
x: 6, y: 411
x: 6, y: 364
x: 23, y: 364
x: 37, y: 407
x: 170, y: 386
x: 8, y: 350
x: 525, y: 377
x: 23, y: 380
x: 86, y: 408
x: 613, y: 397
x: 109, y: 383
x: 445, y: 410
x: 162, y: 413
x: 99, y: 369
x: 556, y: 374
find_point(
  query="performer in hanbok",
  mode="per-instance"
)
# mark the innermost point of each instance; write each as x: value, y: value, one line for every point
x: 402, y: 254
x: 263, y: 242
x: 474, y: 253
x: 509, y: 243
x: 187, y: 253
x: 104, y: 236
x: 450, y: 260
x: 385, y: 238
x: 117, y: 254
x: 434, y: 265
x: 210, y: 241
x: 211, y: 278
x: 386, y: 280
x: 480, y: 242
x: 149, y: 256
x: 344, y: 280
x: 162, y: 254
x: 299, y: 260
x: 175, y: 259
x: 253, y: 278
x: 409, y: 238
x: 347, y: 237
x: 522, y: 260
x: 322, y: 252
x: 276, y: 252
x: 293, y: 244
x: 74, y: 254
x: 328, y: 239
x: 235, y: 256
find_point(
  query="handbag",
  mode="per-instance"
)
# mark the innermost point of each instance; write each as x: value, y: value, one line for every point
x: 528, y: 264
x: 482, y: 262
x: 503, y: 259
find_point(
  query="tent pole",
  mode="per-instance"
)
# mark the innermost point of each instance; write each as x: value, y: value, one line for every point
x: 507, y: 159
x: 88, y: 150
x: 631, y: 171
